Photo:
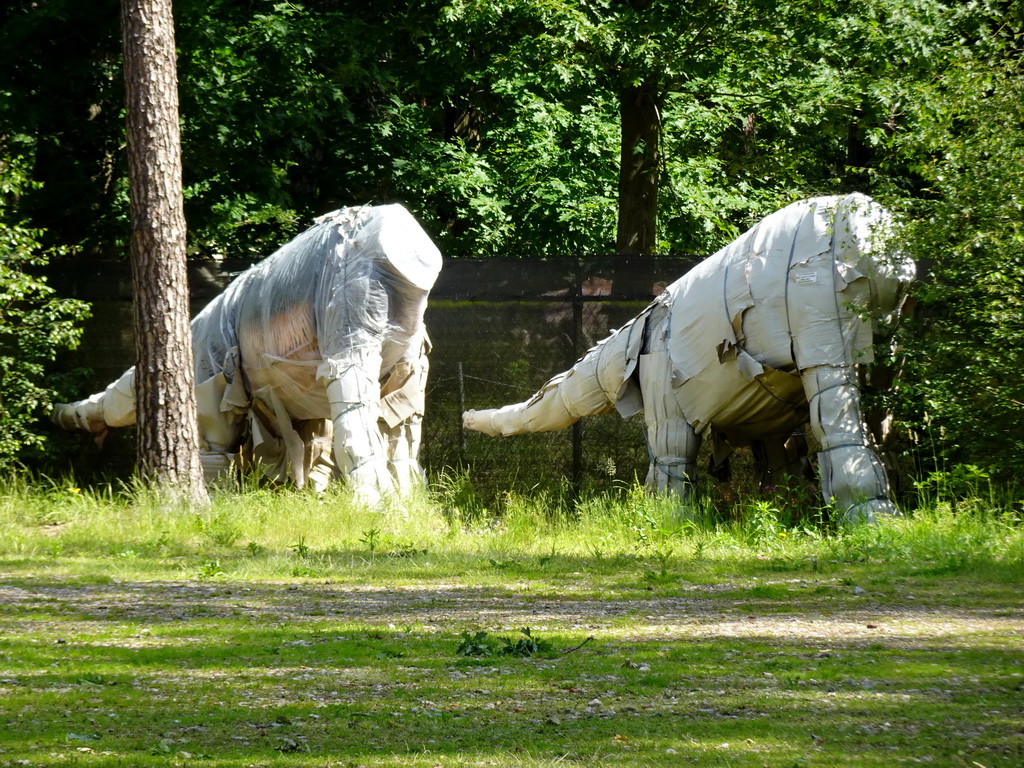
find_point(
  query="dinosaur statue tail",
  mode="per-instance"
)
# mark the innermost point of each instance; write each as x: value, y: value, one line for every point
x: 602, y: 380
x: 113, y: 407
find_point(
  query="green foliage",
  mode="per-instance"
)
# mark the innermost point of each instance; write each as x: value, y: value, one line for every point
x: 497, y: 122
x: 35, y: 324
x: 210, y: 569
x: 62, y: 95
x: 481, y: 644
x: 478, y: 643
x: 223, y: 527
x: 527, y: 645
x: 962, y: 481
x: 962, y: 388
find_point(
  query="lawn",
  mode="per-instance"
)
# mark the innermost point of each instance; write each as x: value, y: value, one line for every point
x: 282, y: 629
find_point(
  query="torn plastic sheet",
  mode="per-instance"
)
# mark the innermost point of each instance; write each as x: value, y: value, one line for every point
x: 294, y: 353
x: 740, y: 345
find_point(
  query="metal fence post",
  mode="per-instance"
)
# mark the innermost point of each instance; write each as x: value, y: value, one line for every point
x: 577, y: 343
x: 458, y: 417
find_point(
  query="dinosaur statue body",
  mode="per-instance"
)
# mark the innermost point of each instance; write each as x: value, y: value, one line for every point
x: 757, y: 340
x: 312, y: 362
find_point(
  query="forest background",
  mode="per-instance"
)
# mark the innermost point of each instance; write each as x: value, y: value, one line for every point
x: 531, y: 128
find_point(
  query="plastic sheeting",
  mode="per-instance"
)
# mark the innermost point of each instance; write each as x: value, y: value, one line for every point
x: 291, y: 359
x: 757, y: 340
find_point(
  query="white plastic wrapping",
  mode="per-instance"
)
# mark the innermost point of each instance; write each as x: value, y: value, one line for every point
x: 293, y: 356
x: 740, y: 345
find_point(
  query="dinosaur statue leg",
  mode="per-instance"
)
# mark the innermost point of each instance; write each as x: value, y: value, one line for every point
x: 403, y: 396
x: 353, y: 392
x: 220, y: 430
x: 403, y: 447
x: 852, y: 475
x: 671, y: 442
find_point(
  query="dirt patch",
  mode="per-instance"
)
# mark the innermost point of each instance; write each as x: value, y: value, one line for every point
x: 698, y: 613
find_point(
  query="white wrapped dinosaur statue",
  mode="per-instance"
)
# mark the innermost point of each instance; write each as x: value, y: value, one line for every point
x: 313, y: 362
x: 752, y: 343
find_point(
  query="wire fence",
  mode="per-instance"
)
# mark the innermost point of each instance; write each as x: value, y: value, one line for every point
x: 501, y: 329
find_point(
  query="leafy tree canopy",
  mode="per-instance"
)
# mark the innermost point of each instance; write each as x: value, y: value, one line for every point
x: 498, y: 123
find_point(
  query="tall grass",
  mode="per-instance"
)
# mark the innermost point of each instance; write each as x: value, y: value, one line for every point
x: 259, y: 532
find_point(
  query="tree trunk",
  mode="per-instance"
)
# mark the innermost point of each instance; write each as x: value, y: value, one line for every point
x: 639, y: 168
x: 168, y: 443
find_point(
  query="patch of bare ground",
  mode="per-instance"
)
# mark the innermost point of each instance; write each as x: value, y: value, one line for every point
x: 698, y: 613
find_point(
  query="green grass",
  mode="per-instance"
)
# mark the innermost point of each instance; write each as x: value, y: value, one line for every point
x: 279, y: 628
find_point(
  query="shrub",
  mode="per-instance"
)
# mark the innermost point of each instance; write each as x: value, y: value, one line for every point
x: 34, y: 323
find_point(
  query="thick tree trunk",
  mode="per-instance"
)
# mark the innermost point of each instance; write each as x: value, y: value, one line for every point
x: 168, y: 443
x: 639, y: 168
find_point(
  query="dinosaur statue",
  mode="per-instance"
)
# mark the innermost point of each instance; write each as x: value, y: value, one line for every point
x: 313, y: 362
x: 754, y: 342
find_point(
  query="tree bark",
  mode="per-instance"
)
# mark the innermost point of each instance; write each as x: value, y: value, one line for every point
x: 639, y: 168
x: 168, y: 436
